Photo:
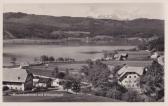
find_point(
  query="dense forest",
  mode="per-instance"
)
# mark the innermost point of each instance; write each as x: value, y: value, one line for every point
x: 22, y: 25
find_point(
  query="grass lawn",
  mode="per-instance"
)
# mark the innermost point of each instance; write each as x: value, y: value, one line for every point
x: 64, y: 98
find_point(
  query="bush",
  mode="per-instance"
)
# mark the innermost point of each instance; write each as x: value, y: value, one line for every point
x: 86, y: 90
x: 67, y: 85
x: 5, y: 88
x: 76, y: 87
x: 100, y: 93
x: 131, y: 96
x: 113, y: 93
x: 142, y: 47
x: 152, y: 82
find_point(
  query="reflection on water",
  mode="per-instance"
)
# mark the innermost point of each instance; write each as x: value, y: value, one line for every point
x: 29, y: 52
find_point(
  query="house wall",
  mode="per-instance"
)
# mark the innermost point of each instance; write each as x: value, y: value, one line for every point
x: 19, y: 87
x: 41, y: 85
x: 35, y: 81
x: 55, y: 83
x: 131, y: 81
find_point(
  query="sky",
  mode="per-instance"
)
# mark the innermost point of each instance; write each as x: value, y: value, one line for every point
x: 111, y: 10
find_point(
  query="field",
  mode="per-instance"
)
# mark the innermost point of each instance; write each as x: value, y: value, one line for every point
x: 140, y: 55
x: 63, y: 97
x: 47, y: 71
x: 129, y: 63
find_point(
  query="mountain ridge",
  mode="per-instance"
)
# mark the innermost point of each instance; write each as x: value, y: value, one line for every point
x: 23, y: 25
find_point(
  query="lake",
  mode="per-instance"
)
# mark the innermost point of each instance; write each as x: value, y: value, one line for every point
x: 29, y: 52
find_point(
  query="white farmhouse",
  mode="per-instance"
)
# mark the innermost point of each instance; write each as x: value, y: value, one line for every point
x: 129, y: 77
x: 17, y: 79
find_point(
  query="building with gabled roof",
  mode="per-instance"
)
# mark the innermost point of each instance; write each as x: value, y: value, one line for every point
x: 129, y: 76
x: 17, y: 79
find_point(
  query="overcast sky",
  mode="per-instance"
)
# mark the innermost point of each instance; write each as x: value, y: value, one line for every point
x: 111, y: 10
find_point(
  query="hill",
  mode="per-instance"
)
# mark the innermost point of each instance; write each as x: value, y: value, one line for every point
x: 22, y: 25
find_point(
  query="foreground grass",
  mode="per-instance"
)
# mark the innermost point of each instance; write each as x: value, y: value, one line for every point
x: 64, y: 98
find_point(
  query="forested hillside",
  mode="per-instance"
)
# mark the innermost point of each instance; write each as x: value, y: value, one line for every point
x: 22, y: 25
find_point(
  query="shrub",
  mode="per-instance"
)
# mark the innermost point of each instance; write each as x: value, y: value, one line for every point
x: 113, y: 93
x: 5, y: 88
x: 131, y: 96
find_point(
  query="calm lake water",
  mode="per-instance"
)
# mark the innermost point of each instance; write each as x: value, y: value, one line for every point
x: 29, y: 52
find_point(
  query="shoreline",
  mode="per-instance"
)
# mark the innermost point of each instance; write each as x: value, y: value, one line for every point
x: 64, y: 42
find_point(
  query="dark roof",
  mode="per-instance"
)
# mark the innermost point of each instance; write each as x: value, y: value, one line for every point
x: 44, y: 80
x: 125, y: 70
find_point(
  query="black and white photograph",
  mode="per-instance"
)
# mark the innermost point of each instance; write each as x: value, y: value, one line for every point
x: 83, y: 52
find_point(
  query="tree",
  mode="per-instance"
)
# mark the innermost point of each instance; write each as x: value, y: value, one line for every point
x: 85, y: 70
x: 60, y: 59
x: 5, y: 88
x: 114, y: 93
x: 67, y: 72
x: 35, y: 59
x: 55, y: 72
x: 151, y: 45
x: 131, y: 96
x: 51, y: 59
x: 76, y: 86
x: 98, y: 73
x: 61, y: 75
x: 86, y: 90
x: 67, y: 85
x: 13, y: 60
x: 152, y: 82
x: 44, y: 58
x: 157, y: 44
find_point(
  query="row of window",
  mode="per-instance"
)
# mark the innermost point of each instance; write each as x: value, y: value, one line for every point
x: 134, y: 85
x: 130, y: 81
x: 16, y: 88
x: 131, y: 76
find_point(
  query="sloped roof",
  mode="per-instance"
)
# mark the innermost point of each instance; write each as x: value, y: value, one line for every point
x: 44, y: 80
x: 14, y: 74
x: 129, y: 69
x: 161, y: 60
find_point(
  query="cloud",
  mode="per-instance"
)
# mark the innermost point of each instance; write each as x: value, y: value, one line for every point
x: 106, y: 10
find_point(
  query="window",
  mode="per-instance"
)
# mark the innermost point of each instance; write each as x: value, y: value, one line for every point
x: 18, y: 78
x: 137, y: 85
x: 129, y: 76
x: 134, y: 76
